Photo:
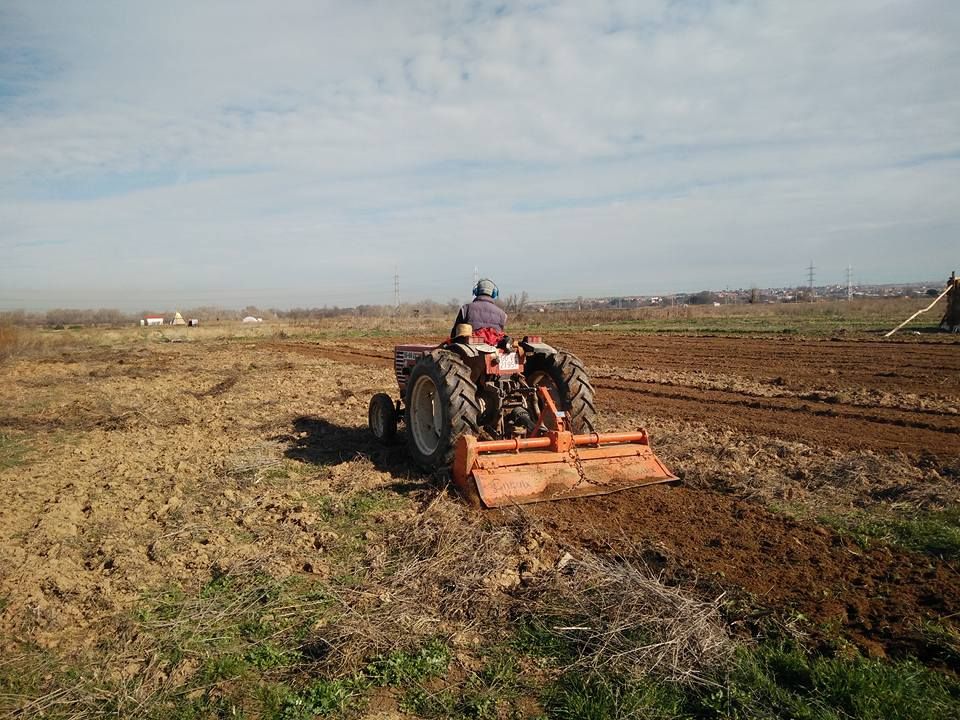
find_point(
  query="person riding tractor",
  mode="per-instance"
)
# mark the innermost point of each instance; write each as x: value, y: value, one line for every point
x: 485, y: 318
x: 511, y: 422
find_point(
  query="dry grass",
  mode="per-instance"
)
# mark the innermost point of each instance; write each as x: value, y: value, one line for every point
x: 779, y: 472
x: 466, y: 576
x: 443, y: 572
x: 13, y: 341
x: 623, y: 618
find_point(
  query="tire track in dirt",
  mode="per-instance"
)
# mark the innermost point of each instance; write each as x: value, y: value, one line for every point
x: 817, y: 423
x: 878, y: 598
x: 340, y: 353
x: 892, y: 366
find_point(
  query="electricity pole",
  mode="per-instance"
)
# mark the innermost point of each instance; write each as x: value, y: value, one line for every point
x: 849, y: 283
x: 810, y: 278
x: 396, y: 288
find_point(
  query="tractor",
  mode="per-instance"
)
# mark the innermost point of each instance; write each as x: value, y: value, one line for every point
x: 515, y: 422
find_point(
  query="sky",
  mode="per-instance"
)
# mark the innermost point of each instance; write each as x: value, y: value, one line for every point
x: 303, y: 153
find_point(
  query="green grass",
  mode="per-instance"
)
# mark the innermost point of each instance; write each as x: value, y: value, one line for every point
x: 784, y: 681
x: 490, y: 693
x: 402, y: 668
x: 772, y: 680
x: 935, y: 533
x: 405, y: 669
x: 321, y: 698
x: 594, y: 696
x: 253, y: 676
x: 943, y: 639
x: 12, y: 452
x: 356, y: 507
x: 533, y: 637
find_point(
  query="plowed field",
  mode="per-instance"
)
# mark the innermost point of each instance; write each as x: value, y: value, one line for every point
x: 841, y: 424
x: 128, y: 468
x: 859, y: 395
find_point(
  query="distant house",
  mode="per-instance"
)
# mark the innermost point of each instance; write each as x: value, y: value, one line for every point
x: 252, y: 319
x: 153, y: 320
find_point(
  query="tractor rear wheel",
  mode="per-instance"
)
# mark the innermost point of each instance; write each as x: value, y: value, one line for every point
x: 442, y: 406
x: 569, y: 385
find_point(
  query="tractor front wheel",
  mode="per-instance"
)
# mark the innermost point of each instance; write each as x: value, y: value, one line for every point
x: 569, y: 385
x: 442, y: 406
x: 382, y: 418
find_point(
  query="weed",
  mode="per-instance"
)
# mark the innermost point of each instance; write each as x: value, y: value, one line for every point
x: 784, y: 681
x: 934, y: 533
x: 481, y: 696
x: 595, y: 696
x: 353, y: 508
x: 222, y: 667
x: 323, y: 697
x: 267, y: 656
x: 403, y: 668
x: 12, y: 452
x: 533, y: 636
x: 944, y: 641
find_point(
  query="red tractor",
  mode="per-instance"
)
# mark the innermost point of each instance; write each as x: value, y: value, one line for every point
x: 515, y: 422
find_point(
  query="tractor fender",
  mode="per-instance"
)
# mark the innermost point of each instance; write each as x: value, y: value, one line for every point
x: 471, y: 351
x: 537, y: 348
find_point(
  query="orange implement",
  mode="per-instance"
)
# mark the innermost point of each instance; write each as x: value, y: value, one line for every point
x: 554, y: 465
x: 559, y: 465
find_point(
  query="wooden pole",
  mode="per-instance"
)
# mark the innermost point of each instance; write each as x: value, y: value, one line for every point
x: 920, y: 312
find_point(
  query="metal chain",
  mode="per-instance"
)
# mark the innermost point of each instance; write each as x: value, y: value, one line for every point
x: 579, y: 466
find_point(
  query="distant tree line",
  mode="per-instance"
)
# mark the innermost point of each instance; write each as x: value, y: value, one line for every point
x: 107, y: 317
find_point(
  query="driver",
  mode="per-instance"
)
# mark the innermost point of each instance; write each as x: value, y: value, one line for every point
x: 483, y: 314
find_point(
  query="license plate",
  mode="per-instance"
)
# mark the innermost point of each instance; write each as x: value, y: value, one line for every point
x: 509, y: 361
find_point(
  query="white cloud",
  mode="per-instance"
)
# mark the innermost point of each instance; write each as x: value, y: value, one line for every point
x: 304, y: 149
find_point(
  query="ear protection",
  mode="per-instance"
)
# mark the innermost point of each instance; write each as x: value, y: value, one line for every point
x: 486, y: 285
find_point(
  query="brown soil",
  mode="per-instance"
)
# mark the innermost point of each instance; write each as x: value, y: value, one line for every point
x: 877, y: 598
x: 920, y: 381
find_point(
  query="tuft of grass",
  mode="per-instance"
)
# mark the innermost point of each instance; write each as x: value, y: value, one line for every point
x: 321, y: 698
x: 404, y: 668
x: 12, y: 452
x: 934, y: 533
x: 596, y: 696
x: 771, y: 681
x: 784, y: 681
x: 943, y: 639
x: 533, y: 636
x: 11, y: 340
x: 354, y: 508
x: 484, y: 695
